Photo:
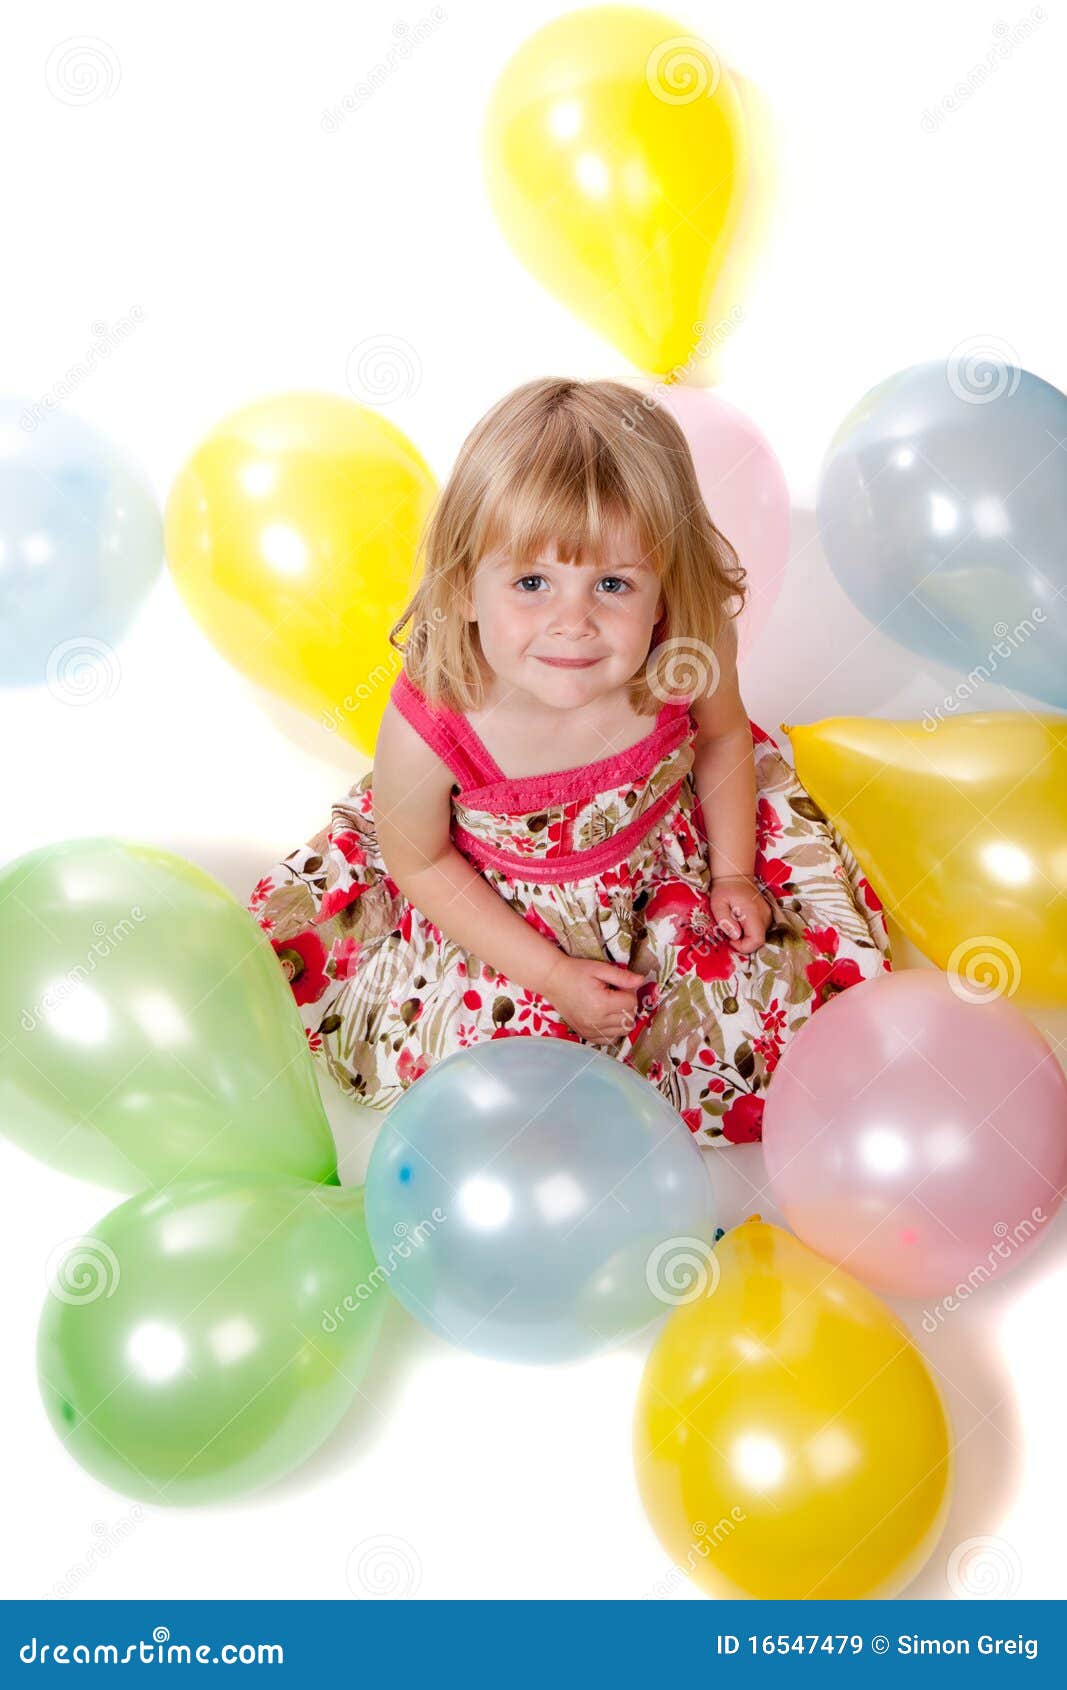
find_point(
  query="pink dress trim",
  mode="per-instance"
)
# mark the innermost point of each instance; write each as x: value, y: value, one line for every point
x: 484, y: 784
x: 571, y: 865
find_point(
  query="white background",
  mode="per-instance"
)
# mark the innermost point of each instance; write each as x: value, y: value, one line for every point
x: 260, y: 249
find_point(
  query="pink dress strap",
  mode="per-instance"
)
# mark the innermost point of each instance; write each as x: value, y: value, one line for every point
x: 447, y: 733
x: 480, y: 776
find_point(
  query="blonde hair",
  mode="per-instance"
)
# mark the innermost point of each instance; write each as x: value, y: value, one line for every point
x: 560, y: 462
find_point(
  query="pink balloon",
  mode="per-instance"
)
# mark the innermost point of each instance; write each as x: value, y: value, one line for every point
x: 918, y: 1139
x: 745, y: 490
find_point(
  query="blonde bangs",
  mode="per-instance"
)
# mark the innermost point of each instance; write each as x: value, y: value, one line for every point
x: 560, y: 467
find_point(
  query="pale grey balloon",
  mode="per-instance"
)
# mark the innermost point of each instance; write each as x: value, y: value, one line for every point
x: 81, y: 546
x: 535, y: 1200
x: 942, y: 507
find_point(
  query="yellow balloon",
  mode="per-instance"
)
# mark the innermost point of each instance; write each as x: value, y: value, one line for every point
x: 790, y: 1440
x: 962, y: 830
x: 616, y: 163
x: 291, y: 534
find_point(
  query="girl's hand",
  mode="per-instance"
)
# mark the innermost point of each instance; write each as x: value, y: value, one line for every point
x: 742, y: 911
x: 597, y: 999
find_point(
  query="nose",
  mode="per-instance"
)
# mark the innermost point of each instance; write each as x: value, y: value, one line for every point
x: 572, y: 615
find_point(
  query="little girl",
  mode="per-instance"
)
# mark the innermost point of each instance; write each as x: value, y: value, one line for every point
x: 572, y: 829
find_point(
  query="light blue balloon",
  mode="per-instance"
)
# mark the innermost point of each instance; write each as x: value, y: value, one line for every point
x: 942, y: 507
x: 534, y: 1200
x: 81, y: 544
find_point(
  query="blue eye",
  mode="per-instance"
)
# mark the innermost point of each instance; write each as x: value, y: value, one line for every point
x: 618, y: 582
x: 521, y: 582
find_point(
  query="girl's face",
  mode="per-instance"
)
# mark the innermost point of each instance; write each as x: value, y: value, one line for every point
x: 566, y: 632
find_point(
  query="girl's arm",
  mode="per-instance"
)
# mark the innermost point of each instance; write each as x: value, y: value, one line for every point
x: 724, y: 770
x: 413, y: 813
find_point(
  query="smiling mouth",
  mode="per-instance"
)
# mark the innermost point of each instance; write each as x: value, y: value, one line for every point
x: 570, y: 662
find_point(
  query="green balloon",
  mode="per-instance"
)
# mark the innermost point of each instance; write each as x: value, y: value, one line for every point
x: 204, y: 1340
x: 147, y: 1030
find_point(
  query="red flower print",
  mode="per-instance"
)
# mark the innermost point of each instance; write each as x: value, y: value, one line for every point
x: 694, y: 928
x: 773, y: 873
x: 693, y: 1119
x: 830, y: 978
x: 768, y: 824
x: 825, y: 939
x: 870, y: 896
x: 261, y: 891
x: 537, y: 921
x: 743, y: 1121
x: 303, y: 961
x: 472, y: 1000
x: 621, y: 876
x: 409, y: 1069
x: 349, y: 846
x: 339, y: 899
x: 345, y: 955
x: 314, y: 1041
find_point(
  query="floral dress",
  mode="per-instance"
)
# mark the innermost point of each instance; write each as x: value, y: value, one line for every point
x: 608, y: 860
